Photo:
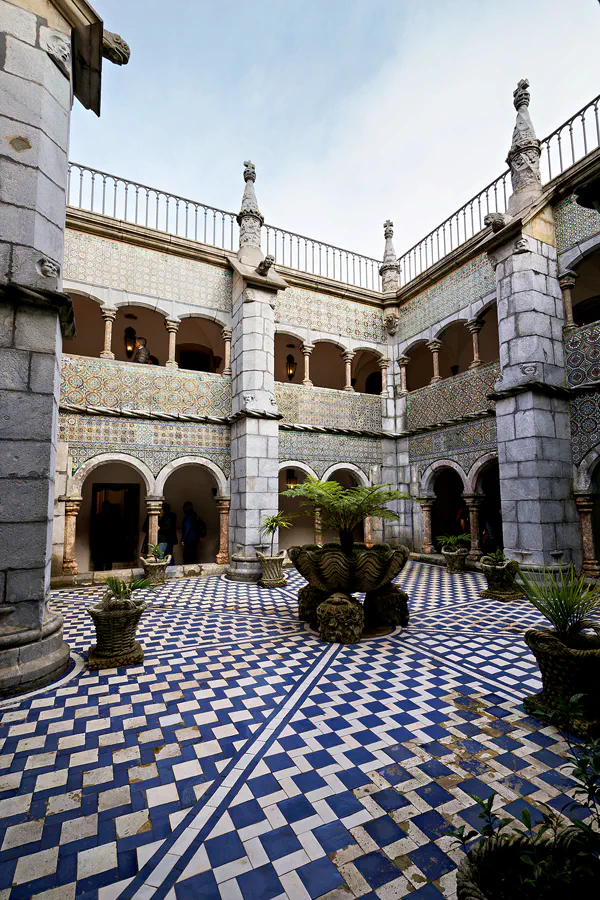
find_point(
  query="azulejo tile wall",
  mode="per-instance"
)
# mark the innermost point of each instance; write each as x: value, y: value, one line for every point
x: 463, y: 443
x: 154, y: 443
x: 117, y: 385
x: 582, y: 356
x: 452, y: 397
x: 114, y: 264
x: 327, y: 407
x: 449, y: 295
x: 332, y: 315
x: 574, y: 223
x: 323, y: 450
x: 585, y: 424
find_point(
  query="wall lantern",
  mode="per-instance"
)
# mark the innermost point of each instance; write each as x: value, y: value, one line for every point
x: 129, y: 341
x: 290, y: 366
x: 290, y: 479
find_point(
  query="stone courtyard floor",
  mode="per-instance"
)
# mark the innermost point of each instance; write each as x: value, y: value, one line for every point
x: 246, y: 759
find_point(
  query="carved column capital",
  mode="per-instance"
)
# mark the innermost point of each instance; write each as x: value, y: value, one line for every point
x: 403, y: 361
x: 172, y: 325
x: 435, y: 345
x: 567, y: 279
x: 307, y: 349
x: 348, y: 355
x: 108, y: 313
x: 383, y: 362
x: 72, y: 505
x: 475, y: 325
x: 226, y: 333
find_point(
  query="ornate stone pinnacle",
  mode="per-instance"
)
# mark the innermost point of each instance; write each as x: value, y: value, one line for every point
x: 524, y: 155
x: 249, y: 171
x: 250, y: 218
x: 521, y: 95
x: 388, y: 229
x: 389, y: 269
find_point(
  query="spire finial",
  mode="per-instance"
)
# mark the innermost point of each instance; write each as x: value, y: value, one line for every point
x: 250, y: 218
x: 389, y: 269
x: 524, y: 154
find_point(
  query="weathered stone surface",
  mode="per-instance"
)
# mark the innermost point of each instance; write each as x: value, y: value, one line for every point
x: 309, y: 599
x: 340, y: 620
x: 133, y: 657
x: 386, y: 606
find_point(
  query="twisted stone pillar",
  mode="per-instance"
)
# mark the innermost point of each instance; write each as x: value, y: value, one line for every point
x: 172, y: 327
x: 435, y: 347
x: 426, y: 506
x: 227, y: 340
x: 223, y: 507
x: 475, y: 326
x: 348, y: 356
x: 585, y: 508
x: 473, y: 505
x: 307, y: 349
x: 109, y: 315
x: 72, y: 506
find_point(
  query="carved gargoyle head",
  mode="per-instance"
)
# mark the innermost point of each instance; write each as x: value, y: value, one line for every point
x: 115, y: 49
x: 263, y: 267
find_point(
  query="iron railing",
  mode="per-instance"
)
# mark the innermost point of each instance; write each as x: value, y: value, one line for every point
x: 573, y: 140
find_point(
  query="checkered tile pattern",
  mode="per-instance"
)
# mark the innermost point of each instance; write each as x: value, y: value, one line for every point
x: 246, y: 760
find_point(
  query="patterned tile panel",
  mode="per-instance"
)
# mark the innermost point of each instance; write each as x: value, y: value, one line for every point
x: 119, y: 385
x: 323, y: 450
x: 327, y: 407
x: 332, y: 315
x: 154, y: 443
x: 449, y: 295
x: 114, y: 264
x: 452, y: 397
x: 582, y: 355
x: 585, y: 424
x: 463, y: 443
x: 574, y: 223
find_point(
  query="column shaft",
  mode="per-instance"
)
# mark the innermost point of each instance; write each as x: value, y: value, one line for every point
x: 403, y: 361
x: 109, y: 316
x: 435, y: 347
x: 348, y: 356
x: 585, y: 508
x: 153, y: 510
x: 473, y: 505
x: 72, y: 506
x: 172, y: 327
x: 475, y: 326
x: 223, y: 554
x: 307, y: 350
x: 426, y: 506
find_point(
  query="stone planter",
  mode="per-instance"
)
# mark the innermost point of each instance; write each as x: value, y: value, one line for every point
x: 500, y: 579
x: 115, y: 638
x: 272, y: 570
x: 155, y: 569
x: 566, y: 671
x: 331, y: 570
x: 455, y: 559
x: 340, y: 620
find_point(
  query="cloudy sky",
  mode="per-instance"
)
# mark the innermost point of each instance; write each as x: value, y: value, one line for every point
x: 352, y: 110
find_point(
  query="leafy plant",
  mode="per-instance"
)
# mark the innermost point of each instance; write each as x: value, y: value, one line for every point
x: 496, y: 557
x: 271, y: 524
x: 565, y: 600
x: 344, y: 508
x: 156, y: 550
x: 453, y: 540
x: 119, y: 594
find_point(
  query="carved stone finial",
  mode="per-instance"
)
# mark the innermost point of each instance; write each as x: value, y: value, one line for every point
x: 263, y: 267
x: 250, y: 218
x: 524, y: 154
x: 249, y: 171
x: 389, y: 269
x: 521, y: 95
x: 115, y: 49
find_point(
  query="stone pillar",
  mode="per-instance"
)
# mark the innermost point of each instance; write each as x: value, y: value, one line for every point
x: 435, y: 347
x: 318, y: 527
x: 109, y: 315
x: 473, y: 502
x: 368, y: 529
x: 348, y: 356
x: 389, y: 269
x: 585, y: 508
x: 223, y: 506
x: 475, y: 326
x: 172, y: 326
x: 426, y: 506
x: 567, y: 283
x: 227, y: 340
x: 403, y: 361
x: 72, y: 505
x: 153, y: 511
x: 307, y: 349
x: 383, y: 364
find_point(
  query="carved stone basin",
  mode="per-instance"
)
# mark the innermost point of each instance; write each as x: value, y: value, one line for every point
x: 329, y: 569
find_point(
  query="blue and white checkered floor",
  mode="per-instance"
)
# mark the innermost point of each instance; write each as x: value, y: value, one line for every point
x: 246, y: 760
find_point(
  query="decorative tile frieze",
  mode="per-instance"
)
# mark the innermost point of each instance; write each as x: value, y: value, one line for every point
x: 125, y: 267
x: 585, y: 424
x: 582, y: 356
x: 321, y: 451
x: 154, y: 443
x: 331, y: 315
x: 118, y: 385
x: 463, y: 443
x: 452, y: 398
x: 449, y: 295
x: 574, y: 223
x: 327, y: 407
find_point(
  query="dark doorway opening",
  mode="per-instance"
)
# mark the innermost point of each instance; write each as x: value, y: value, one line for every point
x: 114, y: 526
x: 373, y: 383
x: 449, y: 514
x: 490, y: 517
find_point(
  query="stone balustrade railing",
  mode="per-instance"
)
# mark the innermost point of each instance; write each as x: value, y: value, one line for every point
x: 107, y: 384
x: 582, y: 355
x: 326, y: 407
x: 458, y: 397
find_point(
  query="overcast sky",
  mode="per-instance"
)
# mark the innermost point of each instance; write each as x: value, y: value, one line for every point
x: 353, y: 111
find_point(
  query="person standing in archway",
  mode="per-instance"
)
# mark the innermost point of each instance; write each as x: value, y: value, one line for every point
x: 192, y: 529
x: 167, y: 531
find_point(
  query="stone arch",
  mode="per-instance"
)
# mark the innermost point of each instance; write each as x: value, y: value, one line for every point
x: 221, y: 319
x: 433, y: 469
x: 476, y: 470
x: 412, y: 346
x: 327, y: 339
x: 217, y: 473
x: 348, y: 467
x: 294, y: 464
x: 438, y: 336
x: 584, y: 472
x: 285, y: 330
x: 77, y: 479
x: 570, y: 259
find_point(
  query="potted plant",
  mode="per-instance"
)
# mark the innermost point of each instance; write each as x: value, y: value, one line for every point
x: 272, y: 566
x: 568, y: 656
x: 116, y: 619
x: 155, y: 564
x: 452, y: 551
x: 554, y: 859
x: 500, y: 573
x: 348, y: 567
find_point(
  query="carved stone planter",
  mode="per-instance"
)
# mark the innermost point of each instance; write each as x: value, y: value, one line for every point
x: 455, y: 559
x: 340, y: 620
x: 330, y: 570
x: 115, y: 638
x: 272, y: 570
x: 500, y: 579
x: 155, y: 569
x: 309, y: 600
x: 388, y: 605
x: 566, y: 671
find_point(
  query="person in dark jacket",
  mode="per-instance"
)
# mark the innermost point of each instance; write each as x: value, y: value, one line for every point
x: 192, y: 529
x: 167, y: 531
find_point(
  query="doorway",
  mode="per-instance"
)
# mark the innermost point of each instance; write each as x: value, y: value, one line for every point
x: 114, y: 526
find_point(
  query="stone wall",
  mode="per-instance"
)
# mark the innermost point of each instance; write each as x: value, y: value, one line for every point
x: 328, y: 408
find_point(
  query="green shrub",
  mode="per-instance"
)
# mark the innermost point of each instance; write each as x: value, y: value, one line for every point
x: 565, y: 600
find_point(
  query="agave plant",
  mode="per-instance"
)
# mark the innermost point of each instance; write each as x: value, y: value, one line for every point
x: 345, y: 508
x: 119, y: 594
x: 453, y: 541
x: 565, y: 600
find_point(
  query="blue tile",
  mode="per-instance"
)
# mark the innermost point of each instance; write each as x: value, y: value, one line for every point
x: 353, y: 778
x: 248, y: 813
x: 344, y: 804
x: 308, y: 781
x: 395, y: 774
x: 512, y: 762
x: 476, y: 788
x: 203, y: 885
x: 259, y: 884
x: 280, y: 842
x: 319, y: 877
x: 390, y: 799
x: 333, y: 836
x: 295, y: 808
x: 264, y: 785
x: 376, y: 868
x: 384, y: 830
x: 427, y: 892
x: 432, y: 861
x: 434, y: 794
x: 432, y: 824
x: 435, y: 769
x: 224, y: 849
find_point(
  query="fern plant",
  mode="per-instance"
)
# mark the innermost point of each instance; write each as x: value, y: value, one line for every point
x: 453, y: 541
x: 119, y: 594
x: 565, y: 600
x: 342, y: 509
x: 272, y: 524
